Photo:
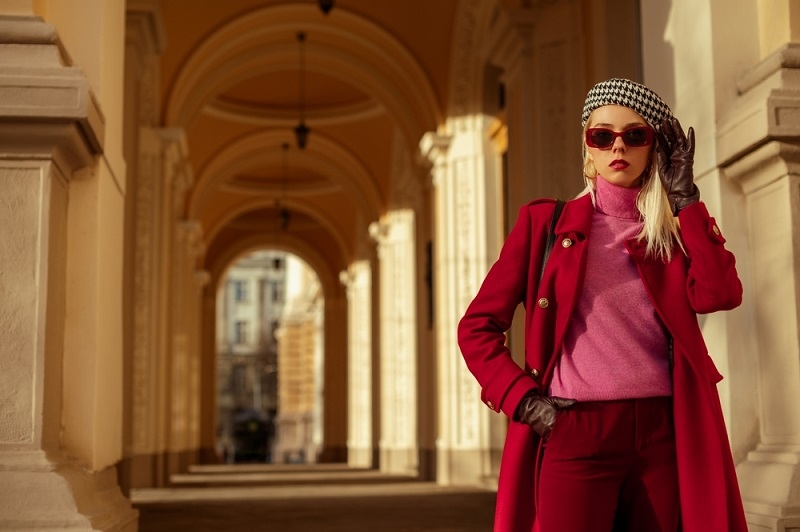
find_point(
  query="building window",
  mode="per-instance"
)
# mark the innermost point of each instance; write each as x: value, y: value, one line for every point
x: 241, y: 332
x: 240, y: 290
x: 278, y: 292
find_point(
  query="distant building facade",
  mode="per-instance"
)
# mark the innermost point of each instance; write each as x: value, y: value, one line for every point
x: 300, y: 394
x: 249, y: 302
x: 269, y: 328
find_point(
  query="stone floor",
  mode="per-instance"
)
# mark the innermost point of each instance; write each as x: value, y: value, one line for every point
x: 295, y: 498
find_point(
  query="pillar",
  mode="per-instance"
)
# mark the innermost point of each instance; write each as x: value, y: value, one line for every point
x: 759, y: 152
x: 470, y: 435
x: 395, y: 235
x: 61, y: 224
x: 358, y: 283
x: 144, y: 462
x: 467, y: 199
x: 334, y: 388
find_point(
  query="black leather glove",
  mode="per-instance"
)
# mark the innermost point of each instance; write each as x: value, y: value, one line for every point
x: 675, y: 161
x: 540, y: 412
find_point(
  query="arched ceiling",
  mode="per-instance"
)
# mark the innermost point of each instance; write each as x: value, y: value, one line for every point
x: 374, y: 71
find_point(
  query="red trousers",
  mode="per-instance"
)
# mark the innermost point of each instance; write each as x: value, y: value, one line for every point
x: 610, y: 466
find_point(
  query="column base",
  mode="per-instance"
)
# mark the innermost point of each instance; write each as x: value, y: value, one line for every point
x: 332, y: 454
x: 155, y: 470
x: 427, y: 463
x: 360, y: 457
x: 399, y: 461
x: 467, y: 467
x: 43, y: 493
x: 768, y: 481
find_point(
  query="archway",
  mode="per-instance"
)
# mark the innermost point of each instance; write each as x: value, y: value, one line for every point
x: 315, y: 286
x: 269, y: 360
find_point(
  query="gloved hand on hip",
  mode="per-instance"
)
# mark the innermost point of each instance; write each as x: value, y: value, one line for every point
x: 675, y: 162
x: 540, y: 412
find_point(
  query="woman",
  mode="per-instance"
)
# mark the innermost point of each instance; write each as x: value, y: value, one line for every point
x: 615, y: 418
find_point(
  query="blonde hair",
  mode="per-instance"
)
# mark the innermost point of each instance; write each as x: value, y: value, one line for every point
x: 660, y: 229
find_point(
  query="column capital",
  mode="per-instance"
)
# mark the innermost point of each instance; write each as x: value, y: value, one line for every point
x: 202, y: 278
x: 30, y: 30
x: 768, y: 107
x: 47, y: 109
x: 764, y: 165
x: 788, y: 56
x: 434, y: 146
x: 191, y: 232
x: 379, y: 231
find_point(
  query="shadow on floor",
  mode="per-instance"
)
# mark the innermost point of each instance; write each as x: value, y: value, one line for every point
x: 309, y: 498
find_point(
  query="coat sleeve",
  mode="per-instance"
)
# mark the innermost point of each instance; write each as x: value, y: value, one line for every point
x: 481, y: 331
x: 712, y: 283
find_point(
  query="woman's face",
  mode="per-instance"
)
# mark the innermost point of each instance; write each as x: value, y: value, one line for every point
x: 620, y: 164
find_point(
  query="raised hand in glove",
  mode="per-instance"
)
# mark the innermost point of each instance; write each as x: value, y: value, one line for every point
x: 540, y: 412
x: 675, y: 161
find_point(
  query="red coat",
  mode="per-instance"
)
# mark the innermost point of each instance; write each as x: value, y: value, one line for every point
x: 702, y: 281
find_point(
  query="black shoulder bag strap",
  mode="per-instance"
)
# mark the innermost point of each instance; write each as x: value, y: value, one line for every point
x: 551, y: 236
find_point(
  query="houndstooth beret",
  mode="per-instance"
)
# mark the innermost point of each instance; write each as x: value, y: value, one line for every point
x: 630, y: 94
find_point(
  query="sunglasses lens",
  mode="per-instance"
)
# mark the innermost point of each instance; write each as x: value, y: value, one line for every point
x: 600, y: 138
x: 637, y: 136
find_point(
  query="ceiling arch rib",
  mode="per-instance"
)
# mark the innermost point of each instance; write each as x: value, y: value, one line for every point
x: 390, y: 89
x: 274, y: 190
x: 329, y: 279
x: 323, y: 155
x: 281, y: 118
x: 262, y: 204
x: 386, y: 70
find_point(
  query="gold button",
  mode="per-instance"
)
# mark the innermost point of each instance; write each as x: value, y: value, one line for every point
x: 490, y: 404
x: 534, y: 373
x: 543, y: 302
x: 567, y: 242
x: 715, y: 229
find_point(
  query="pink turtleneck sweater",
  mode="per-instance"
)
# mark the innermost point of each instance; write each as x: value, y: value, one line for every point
x: 615, y: 346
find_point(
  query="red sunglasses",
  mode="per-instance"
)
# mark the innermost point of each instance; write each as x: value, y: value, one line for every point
x: 633, y: 137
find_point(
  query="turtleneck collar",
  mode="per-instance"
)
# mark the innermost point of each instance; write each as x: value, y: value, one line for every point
x: 616, y: 201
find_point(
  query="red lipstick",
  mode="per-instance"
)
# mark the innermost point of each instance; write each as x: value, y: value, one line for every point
x: 618, y: 164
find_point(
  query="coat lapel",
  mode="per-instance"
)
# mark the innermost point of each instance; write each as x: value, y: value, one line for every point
x: 575, y: 224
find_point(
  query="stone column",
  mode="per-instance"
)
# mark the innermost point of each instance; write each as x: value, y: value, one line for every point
x: 61, y: 225
x: 358, y: 282
x: 201, y: 279
x: 178, y: 253
x: 758, y: 146
x: 334, y: 389
x: 395, y: 235
x: 470, y: 435
x: 467, y: 205
x: 185, y: 360
x: 143, y: 461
